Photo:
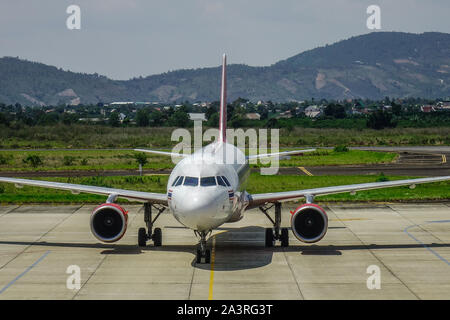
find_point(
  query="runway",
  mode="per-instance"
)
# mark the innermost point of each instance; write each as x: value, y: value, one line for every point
x: 409, y: 243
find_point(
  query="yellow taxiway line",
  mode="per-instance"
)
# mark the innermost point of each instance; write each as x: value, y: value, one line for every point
x: 306, y: 171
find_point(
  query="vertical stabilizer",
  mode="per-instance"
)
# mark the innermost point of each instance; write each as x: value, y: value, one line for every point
x: 223, y: 102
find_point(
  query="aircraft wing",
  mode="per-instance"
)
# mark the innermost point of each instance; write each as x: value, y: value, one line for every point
x: 164, y: 153
x: 280, y: 154
x: 140, y: 196
x: 256, y: 200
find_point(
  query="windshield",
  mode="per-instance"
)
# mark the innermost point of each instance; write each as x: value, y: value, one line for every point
x: 220, y: 181
x: 208, y: 181
x: 179, y: 181
x: 175, y: 181
x: 226, y: 181
x: 191, y: 181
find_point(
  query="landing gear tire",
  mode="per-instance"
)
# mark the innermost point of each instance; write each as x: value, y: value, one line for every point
x: 269, y: 237
x: 208, y: 256
x: 157, y: 237
x: 284, y: 237
x: 199, y: 256
x: 142, y: 237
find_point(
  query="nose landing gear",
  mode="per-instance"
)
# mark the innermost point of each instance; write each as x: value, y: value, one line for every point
x: 202, y: 251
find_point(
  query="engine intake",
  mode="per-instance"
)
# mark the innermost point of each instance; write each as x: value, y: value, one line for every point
x: 109, y: 222
x: 309, y: 223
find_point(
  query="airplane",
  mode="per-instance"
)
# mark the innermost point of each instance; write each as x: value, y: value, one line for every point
x: 207, y: 189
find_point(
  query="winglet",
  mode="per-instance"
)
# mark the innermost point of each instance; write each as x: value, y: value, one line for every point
x: 223, y: 102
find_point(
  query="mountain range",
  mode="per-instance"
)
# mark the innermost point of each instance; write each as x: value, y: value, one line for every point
x: 374, y: 65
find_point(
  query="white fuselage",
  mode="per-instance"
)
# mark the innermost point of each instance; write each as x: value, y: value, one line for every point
x: 204, y: 204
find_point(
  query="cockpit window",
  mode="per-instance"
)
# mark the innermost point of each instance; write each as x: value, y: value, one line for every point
x: 175, y: 181
x: 226, y: 181
x: 179, y: 181
x: 220, y: 181
x: 191, y: 181
x: 207, y: 181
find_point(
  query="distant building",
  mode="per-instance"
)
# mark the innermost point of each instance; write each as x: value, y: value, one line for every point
x: 313, y: 111
x: 286, y: 115
x: 253, y: 116
x: 427, y: 108
x: 443, y: 105
x: 121, y: 103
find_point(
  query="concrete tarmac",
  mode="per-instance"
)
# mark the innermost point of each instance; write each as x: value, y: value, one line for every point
x: 408, y: 243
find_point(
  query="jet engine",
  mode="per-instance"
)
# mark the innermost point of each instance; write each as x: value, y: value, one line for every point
x: 309, y: 223
x: 109, y: 222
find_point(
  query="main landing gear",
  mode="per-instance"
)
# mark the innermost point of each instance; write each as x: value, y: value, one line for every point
x: 275, y: 233
x: 150, y: 234
x: 202, y: 251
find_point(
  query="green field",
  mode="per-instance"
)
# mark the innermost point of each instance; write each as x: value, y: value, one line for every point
x: 257, y: 184
x: 100, y: 160
x: 96, y: 136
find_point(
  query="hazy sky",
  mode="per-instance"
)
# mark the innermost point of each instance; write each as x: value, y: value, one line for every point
x: 130, y: 38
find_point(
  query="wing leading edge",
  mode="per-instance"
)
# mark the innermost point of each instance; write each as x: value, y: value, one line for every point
x: 259, y: 199
x: 160, y: 198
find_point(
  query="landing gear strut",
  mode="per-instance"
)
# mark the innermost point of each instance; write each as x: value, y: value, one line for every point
x: 150, y: 234
x: 275, y: 233
x: 202, y: 251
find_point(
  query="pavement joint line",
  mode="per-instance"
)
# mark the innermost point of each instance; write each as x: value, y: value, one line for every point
x: 376, y: 257
x: 90, y: 276
x: 306, y: 171
x: 24, y: 272
x: 293, y: 275
x: 10, y: 210
x: 411, y: 221
x: 31, y: 244
x: 423, y: 244
x: 192, y: 281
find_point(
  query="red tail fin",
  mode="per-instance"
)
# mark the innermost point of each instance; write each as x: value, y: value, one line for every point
x: 223, y: 102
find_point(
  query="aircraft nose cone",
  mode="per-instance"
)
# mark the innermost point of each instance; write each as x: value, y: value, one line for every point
x: 200, y: 209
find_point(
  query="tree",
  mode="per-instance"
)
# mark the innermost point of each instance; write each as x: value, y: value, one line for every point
x: 335, y: 110
x: 142, y: 118
x: 272, y: 123
x: 179, y: 119
x: 141, y: 158
x: 396, y: 109
x: 114, y: 119
x: 34, y: 160
x: 156, y: 118
x: 380, y: 119
x: 4, y: 119
x: 213, y: 120
x: 210, y: 111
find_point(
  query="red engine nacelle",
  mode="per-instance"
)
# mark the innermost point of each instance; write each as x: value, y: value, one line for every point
x: 309, y: 223
x: 109, y: 222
